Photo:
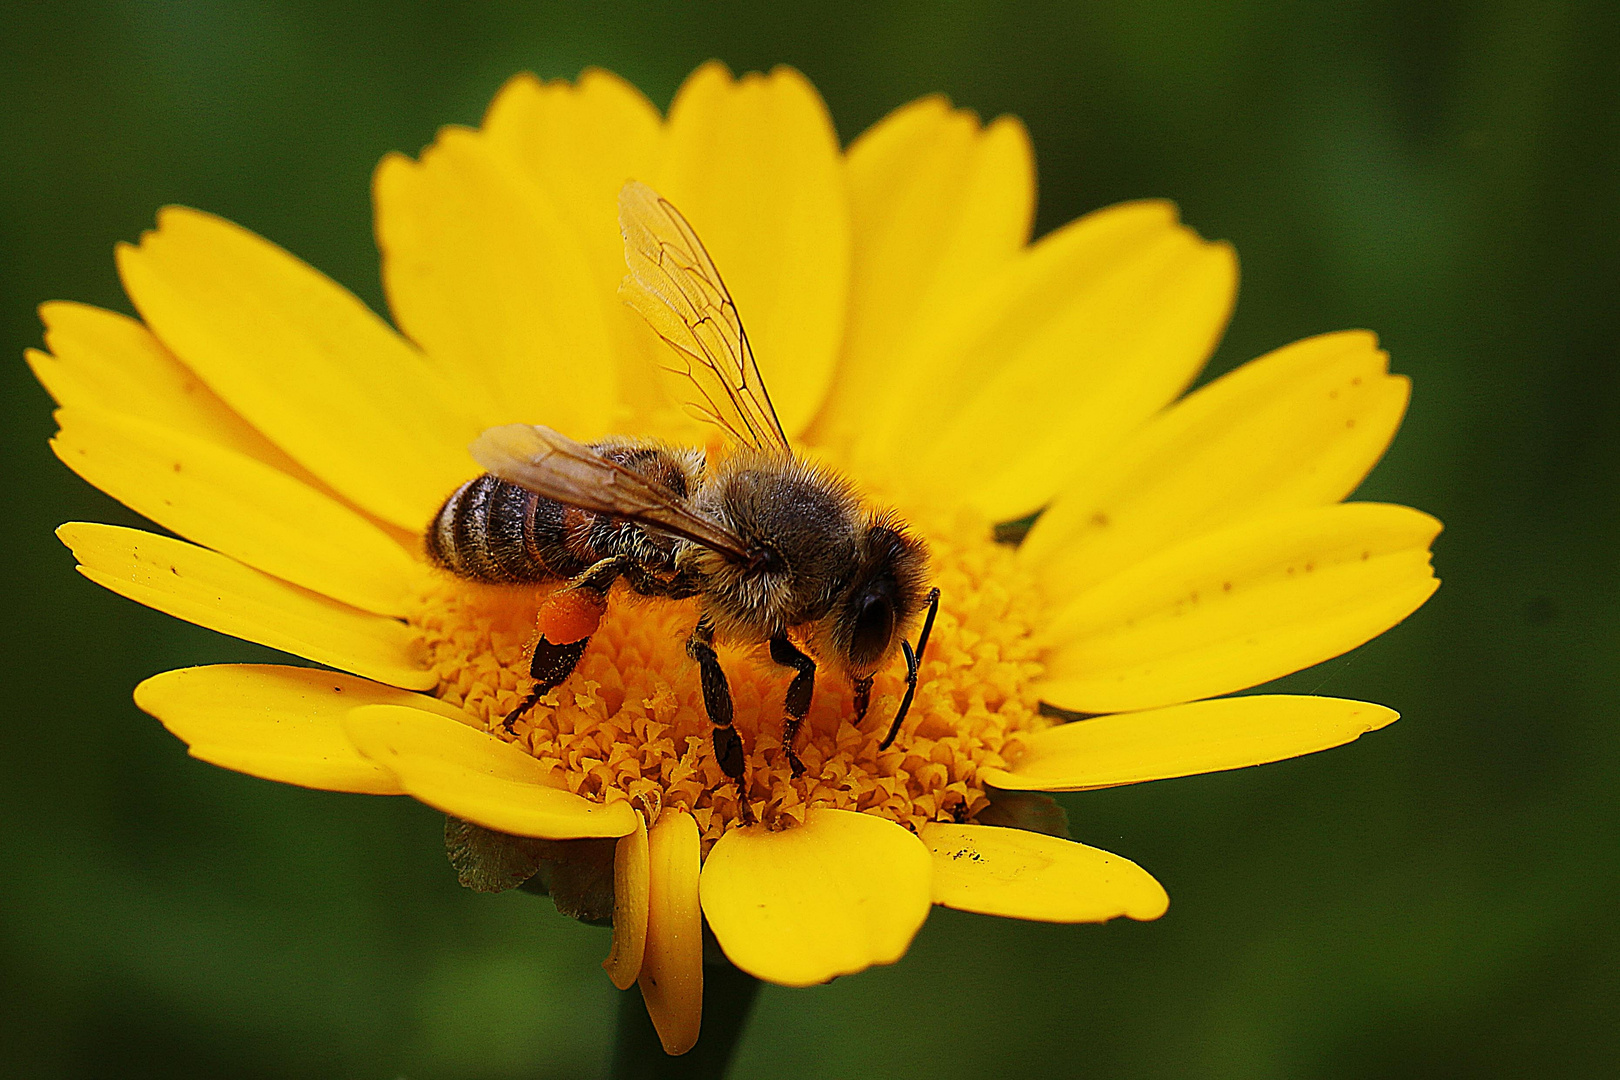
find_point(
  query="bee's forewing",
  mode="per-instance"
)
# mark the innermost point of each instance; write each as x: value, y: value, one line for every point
x: 676, y: 287
x: 553, y: 465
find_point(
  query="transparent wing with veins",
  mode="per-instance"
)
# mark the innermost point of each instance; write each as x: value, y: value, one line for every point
x: 553, y: 465
x: 676, y: 287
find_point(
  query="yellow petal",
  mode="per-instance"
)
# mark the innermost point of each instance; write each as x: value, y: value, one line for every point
x: 672, y: 969
x: 305, y: 362
x: 580, y: 142
x: 937, y: 204
x: 833, y: 896
x: 279, y: 723
x: 238, y: 506
x: 623, y: 964
x: 486, y: 273
x: 1299, y: 427
x: 1233, y: 609
x: 474, y: 776
x: 1185, y: 740
x: 1025, y: 875
x: 1058, y: 358
x: 754, y: 165
x: 109, y: 361
x: 206, y: 588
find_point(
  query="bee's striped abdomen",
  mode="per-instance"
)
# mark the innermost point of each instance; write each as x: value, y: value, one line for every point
x: 492, y: 531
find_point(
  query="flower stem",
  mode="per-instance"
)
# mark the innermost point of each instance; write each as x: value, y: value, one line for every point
x: 728, y: 997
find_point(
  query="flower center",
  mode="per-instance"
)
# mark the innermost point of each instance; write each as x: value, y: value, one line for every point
x: 630, y: 722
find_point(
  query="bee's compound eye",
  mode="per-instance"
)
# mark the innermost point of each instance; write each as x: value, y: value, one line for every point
x: 874, y: 627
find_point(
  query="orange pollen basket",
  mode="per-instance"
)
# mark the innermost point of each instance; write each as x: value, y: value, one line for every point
x: 569, y: 615
x: 630, y: 723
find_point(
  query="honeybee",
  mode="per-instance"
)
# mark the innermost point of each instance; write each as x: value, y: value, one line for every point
x: 771, y: 543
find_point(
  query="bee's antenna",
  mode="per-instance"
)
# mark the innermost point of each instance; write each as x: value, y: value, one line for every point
x: 913, y: 665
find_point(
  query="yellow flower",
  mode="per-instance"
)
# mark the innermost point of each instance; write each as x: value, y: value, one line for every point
x: 912, y: 337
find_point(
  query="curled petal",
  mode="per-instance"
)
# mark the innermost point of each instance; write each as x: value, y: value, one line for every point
x: 623, y: 964
x: 672, y: 968
x: 280, y: 723
x: 475, y: 776
x: 830, y: 897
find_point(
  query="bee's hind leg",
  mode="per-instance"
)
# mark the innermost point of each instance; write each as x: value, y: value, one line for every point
x: 799, y: 692
x: 549, y: 667
x: 567, y: 619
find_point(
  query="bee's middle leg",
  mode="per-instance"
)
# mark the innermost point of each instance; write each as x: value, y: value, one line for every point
x: 799, y: 691
x: 728, y: 747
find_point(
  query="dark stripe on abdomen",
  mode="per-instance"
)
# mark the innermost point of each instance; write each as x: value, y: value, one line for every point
x: 492, y: 531
x: 504, y: 549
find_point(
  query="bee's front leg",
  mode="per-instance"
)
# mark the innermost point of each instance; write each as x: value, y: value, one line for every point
x: 728, y: 747
x: 799, y: 692
x: 913, y: 668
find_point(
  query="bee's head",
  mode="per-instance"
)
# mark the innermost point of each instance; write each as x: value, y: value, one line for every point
x: 883, y: 598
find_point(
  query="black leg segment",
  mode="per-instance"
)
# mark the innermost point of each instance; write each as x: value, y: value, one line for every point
x: 799, y: 693
x: 913, y: 665
x: 728, y: 748
x: 549, y: 667
x: 552, y: 664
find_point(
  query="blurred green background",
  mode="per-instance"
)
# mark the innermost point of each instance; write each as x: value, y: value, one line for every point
x: 1438, y: 900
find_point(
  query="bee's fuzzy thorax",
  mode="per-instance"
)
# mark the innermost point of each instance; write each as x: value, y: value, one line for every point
x: 804, y: 517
